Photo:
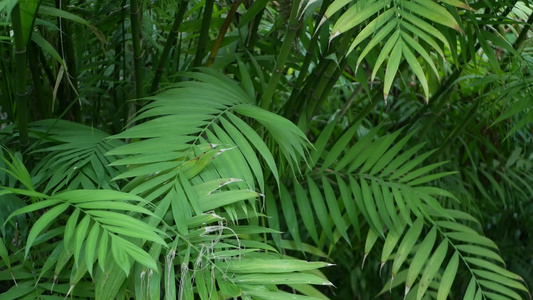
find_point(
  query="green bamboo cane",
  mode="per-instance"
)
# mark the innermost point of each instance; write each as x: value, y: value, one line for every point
x: 290, y: 35
x: 36, y: 74
x: 204, y: 32
x: 5, y: 86
x: 171, y: 40
x: 136, y: 35
x: 21, y: 87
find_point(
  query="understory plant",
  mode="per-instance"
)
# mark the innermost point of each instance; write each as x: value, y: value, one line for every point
x: 266, y: 150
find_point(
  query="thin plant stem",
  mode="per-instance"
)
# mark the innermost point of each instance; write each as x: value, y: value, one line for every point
x: 292, y: 29
x: 310, y: 51
x: 252, y: 35
x: 136, y: 35
x: 204, y: 33
x: 171, y: 40
x: 36, y: 74
x: 71, y: 80
x: 222, y: 32
x: 21, y: 69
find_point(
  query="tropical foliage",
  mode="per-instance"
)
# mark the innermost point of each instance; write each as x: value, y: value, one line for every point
x: 266, y: 150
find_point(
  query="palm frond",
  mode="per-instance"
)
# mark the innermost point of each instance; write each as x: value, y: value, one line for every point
x: 405, y: 28
x: 75, y: 156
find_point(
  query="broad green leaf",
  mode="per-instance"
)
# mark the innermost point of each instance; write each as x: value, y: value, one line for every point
x: 335, y: 152
x: 471, y: 238
x: 70, y: 228
x: 355, y: 15
x: 43, y: 222
x: 376, y: 39
x: 79, y: 237
x: 500, y: 279
x: 278, y: 295
x: 81, y: 196
x: 139, y: 255
x: 4, y: 254
x: 471, y: 289
x: 103, y: 249
x: 289, y: 212
x: 47, y: 47
x: 392, y: 66
x: 417, y: 24
x: 456, y: 227
x: 386, y: 158
x: 320, y: 207
x: 500, y: 288
x: 306, y: 211
x: 90, y: 247
x: 247, y: 151
x: 118, y: 249
x: 432, y: 268
x: 385, y: 52
x: 115, y: 205
x: 417, y: 69
x: 372, y: 27
x: 370, y: 206
x: 258, y: 143
x: 288, y: 278
x: 420, y: 257
x: 434, y: 12
x: 333, y: 208
x: 480, y: 251
x: 371, y: 239
x: 407, y: 245
x: 492, y: 267
x: 349, y: 205
x: 448, y: 277
x: 220, y: 199
x: 390, y: 243
x: 246, y: 266
x: 379, y: 147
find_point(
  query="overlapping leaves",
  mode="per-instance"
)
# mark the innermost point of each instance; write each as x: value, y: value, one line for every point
x: 371, y: 177
x: 199, y: 163
x: 374, y: 180
x: 75, y: 156
x: 402, y: 28
x: 436, y: 271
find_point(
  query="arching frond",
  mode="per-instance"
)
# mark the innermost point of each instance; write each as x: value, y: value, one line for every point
x: 75, y: 156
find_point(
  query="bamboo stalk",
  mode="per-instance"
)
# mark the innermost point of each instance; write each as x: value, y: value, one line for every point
x: 204, y: 32
x: 171, y: 40
x: 37, y: 80
x: 7, y: 93
x: 222, y: 32
x: 136, y: 35
x: 290, y: 35
x: 21, y: 69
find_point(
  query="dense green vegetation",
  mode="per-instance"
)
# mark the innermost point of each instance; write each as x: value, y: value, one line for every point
x: 266, y: 149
